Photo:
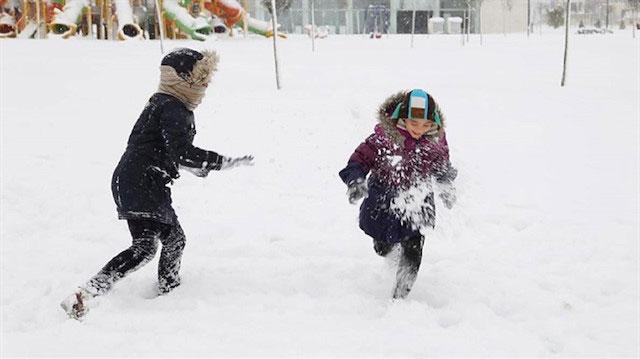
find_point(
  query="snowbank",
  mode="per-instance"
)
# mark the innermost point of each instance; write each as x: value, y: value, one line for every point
x: 539, y: 257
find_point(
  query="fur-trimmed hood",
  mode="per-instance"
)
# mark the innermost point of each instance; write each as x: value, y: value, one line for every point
x: 203, y: 69
x: 390, y: 125
x: 185, y: 74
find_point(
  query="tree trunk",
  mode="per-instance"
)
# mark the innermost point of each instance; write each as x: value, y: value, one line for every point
x: 274, y: 22
x: 567, y: 22
x: 313, y: 26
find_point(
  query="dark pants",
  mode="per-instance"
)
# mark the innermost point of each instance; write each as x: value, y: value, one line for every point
x: 145, y: 234
x: 409, y: 264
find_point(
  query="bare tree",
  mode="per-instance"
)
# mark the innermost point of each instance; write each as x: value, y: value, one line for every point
x: 567, y: 22
x: 528, y: 18
x: 632, y: 7
x: 274, y: 22
x: 160, y: 25
x: 313, y: 26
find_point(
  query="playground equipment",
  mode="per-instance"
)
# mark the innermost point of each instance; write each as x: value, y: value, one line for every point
x: 128, y: 19
x: 197, y: 28
x: 65, y: 21
x: 127, y: 27
x: 27, y: 20
x: 232, y: 14
x: 7, y: 25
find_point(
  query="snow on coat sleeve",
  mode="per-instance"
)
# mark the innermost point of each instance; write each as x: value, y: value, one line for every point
x: 360, y: 162
x: 178, y: 131
x: 443, y: 171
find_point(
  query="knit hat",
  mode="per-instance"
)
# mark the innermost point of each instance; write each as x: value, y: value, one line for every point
x: 417, y: 104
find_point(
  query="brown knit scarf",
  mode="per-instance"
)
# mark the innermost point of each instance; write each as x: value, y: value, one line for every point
x: 190, y: 89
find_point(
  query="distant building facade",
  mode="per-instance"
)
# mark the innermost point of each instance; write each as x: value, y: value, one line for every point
x: 395, y: 16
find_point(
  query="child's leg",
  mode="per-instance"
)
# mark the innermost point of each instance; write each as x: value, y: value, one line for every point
x: 382, y: 247
x: 409, y: 265
x: 173, y: 242
x: 145, y: 234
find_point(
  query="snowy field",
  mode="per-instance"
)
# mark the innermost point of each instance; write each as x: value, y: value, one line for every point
x: 538, y: 258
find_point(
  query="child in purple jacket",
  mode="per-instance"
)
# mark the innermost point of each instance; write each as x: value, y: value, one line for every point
x: 407, y: 149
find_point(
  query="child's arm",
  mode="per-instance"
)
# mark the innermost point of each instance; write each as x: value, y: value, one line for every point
x: 443, y: 171
x: 359, y: 165
x: 445, y: 174
x: 178, y: 142
x: 360, y: 162
x: 178, y: 136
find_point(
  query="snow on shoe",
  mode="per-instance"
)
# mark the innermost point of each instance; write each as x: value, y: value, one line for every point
x: 75, y: 305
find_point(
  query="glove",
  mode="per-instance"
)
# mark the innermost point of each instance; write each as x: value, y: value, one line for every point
x: 229, y: 162
x: 226, y: 163
x: 448, y: 197
x: 199, y: 172
x: 357, y: 189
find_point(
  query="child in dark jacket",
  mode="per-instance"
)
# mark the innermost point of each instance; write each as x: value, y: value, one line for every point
x: 160, y: 143
x: 407, y: 149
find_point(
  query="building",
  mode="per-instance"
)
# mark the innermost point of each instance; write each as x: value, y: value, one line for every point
x: 594, y: 12
x: 395, y: 16
x: 502, y: 16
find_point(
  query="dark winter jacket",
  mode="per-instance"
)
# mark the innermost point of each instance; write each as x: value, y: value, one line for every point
x: 160, y: 142
x: 400, y: 200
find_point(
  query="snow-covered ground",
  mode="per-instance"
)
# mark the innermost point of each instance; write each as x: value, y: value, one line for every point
x: 539, y: 257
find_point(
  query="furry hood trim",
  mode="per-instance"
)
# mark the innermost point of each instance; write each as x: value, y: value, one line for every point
x: 385, y: 111
x: 189, y: 87
x: 204, y: 68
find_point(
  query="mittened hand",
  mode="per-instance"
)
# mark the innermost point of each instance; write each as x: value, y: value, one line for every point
x: 229, y: 162
x: 448, y: 197
x: 357, y: 189
x: 199, y: 172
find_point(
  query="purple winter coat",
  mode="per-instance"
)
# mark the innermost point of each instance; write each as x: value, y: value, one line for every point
x: 400, y: 199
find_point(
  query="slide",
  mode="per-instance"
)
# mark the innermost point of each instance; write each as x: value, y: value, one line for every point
x: 232, y: 13
x: 29, y: 30
x: 198, y: 28
x: 127, y: 28
x: 65, y: 22
x: 7, y: 25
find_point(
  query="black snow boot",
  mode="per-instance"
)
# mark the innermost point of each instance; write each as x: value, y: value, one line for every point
x: 410, y: 259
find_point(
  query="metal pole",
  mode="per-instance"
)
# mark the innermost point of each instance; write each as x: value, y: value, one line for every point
x: 245, y: 18
x: 274, y: 22
x: 413, y: 22
x: 160, y: 25
x: 528, y: 18
x: 567, y: 22
x: 109, y: 20
x: 313, y: 26
x: 89, y: 23
x: 38, y: 33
